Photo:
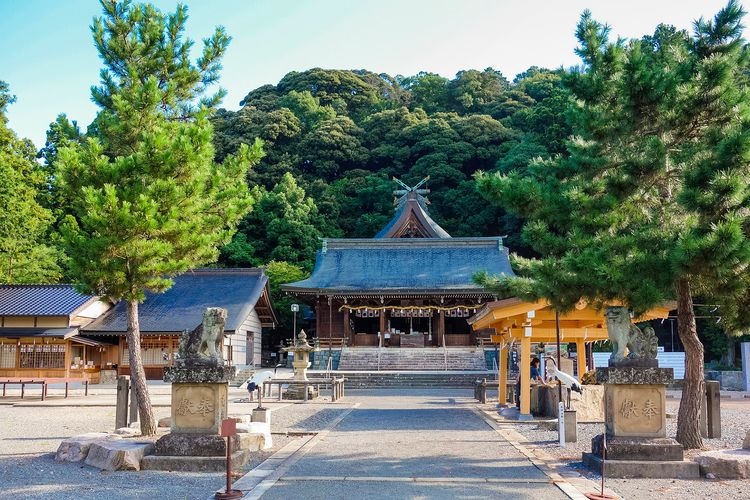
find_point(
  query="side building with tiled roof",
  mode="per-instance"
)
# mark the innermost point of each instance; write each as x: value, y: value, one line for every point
x: 40, y: 332
x: 244, y: 293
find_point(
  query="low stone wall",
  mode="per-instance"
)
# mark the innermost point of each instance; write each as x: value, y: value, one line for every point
x: 728, y: 380
x: 589, y: 405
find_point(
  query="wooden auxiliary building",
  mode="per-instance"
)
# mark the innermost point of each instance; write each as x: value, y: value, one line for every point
x: 40, y: 333
x: 244, y: 293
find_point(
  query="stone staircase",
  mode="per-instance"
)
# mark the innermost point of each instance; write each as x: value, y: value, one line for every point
x: 409, y: 379
x: 412, y: 359
x: 241, y: 375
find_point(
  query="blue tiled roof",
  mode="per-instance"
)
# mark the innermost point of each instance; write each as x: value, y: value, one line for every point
x: 40, y: 300
x: 428, y: 265
x: 181, y: 307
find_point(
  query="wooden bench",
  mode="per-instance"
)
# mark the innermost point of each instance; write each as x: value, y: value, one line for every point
x: 44, y: 382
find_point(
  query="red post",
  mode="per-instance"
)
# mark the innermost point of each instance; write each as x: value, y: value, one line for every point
x: 228, y: 430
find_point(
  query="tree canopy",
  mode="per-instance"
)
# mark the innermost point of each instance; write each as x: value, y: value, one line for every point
x: 344, y: 134
x: 25, y: 255
x: 651, y: 201
x: 147, y: 201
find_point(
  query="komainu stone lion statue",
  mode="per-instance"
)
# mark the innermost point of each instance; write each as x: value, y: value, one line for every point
x: 641, y: 344
x: 204, y: 345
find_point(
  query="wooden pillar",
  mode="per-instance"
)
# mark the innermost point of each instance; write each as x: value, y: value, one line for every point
x: 383, y: 322
x: 441, y: 328
x: 348, y: 332
x: 581, y: 357
x: 502, y: 375
x: 525, y: 371
x: 120, y: 353
x: 68, y: 354
x: 318, y: 314
x: 172, y: 349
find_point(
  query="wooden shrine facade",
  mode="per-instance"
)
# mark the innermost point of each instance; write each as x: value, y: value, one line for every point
x: 398, y: 321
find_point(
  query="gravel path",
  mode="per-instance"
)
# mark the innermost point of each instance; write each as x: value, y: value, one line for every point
x: 29, y: 436
x: 734, y: 425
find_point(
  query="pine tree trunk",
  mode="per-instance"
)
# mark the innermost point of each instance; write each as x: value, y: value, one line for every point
x: 137, y: 373
x: 688, y: 427
x: 728, y: 358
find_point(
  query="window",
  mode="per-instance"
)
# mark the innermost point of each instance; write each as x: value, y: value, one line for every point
x: 42, y: 356
x: 7, y: 355
x: 154, y: 352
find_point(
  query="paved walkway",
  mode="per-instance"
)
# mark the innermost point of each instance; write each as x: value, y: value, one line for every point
x: 400, y: 446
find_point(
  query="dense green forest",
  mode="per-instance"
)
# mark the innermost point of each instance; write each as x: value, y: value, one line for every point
x: 334, y: 139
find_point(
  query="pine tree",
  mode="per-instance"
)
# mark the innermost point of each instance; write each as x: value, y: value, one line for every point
x: 25, y: 256
x: 651, y: 202
x: 148, y: 201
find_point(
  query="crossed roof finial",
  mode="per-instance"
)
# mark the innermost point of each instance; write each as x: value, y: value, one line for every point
x: 404, y: 193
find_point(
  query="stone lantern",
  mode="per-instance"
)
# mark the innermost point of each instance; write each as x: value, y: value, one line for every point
x: 301, y: 350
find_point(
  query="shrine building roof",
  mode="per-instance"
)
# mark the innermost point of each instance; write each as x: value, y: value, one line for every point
x: 431, y: 266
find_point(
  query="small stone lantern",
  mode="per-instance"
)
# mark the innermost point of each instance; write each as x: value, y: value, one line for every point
x: 301, y: 350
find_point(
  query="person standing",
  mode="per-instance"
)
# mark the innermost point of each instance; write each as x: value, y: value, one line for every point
x: 534, y: 374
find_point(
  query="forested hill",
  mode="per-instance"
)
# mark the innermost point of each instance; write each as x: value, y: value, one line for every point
x: 334, y: 139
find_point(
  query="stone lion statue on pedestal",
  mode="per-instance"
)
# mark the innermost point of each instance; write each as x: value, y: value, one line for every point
x: 641, y: 344
x: 204, y: 345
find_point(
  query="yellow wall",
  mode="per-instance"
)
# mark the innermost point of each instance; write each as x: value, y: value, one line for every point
x: 34, y: 321
x: 18, y: 321
x: 52, y: 321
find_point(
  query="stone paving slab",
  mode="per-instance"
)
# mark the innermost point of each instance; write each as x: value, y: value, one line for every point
x: 429, y: 443
x: 394, y: 447
x: 377, y: 490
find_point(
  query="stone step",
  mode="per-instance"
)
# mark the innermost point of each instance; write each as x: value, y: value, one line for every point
x: 406, y: 379
x: 241, y: 375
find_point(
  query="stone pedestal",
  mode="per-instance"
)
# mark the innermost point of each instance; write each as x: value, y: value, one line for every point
x: 261, y: 415
x: 199, y: 404
x: 198, y: 408
x: 635, y: 422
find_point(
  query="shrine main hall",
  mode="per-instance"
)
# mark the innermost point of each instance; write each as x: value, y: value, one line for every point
x: 409, y: 286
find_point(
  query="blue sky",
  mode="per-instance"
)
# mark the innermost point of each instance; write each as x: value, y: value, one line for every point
x: 49, y: 61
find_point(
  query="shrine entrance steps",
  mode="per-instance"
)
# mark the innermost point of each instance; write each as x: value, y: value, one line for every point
x: 408, y: 379
x: 412, y: 359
